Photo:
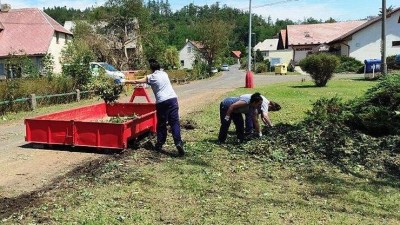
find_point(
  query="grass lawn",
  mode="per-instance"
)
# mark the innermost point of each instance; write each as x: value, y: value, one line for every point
x: 221, y: 184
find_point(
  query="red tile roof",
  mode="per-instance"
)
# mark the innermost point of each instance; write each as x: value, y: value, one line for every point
x: 237, y: 53
x: 370, y: 22
x: 283, y: 35
x: 30, y: 30
x: 306, y: 34
x: 197, y: 44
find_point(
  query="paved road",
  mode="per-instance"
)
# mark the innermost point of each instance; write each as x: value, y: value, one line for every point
x: 25, y: 168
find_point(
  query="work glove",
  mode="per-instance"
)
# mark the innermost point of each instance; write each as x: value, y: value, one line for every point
x: 227, y: 118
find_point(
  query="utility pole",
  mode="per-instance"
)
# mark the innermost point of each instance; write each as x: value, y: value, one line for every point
x: 249, y: 47
x: 383, y: 44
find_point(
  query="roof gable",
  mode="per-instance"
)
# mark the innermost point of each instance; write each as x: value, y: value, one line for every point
x: 267, y: 45
x: 365, y: 25
x: 315, y: 34
x: 237, y: 53
x: 28, y: 30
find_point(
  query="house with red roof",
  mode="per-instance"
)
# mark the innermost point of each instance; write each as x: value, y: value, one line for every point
x: 31, y: 32
x: 190, y: 53
x: 358, y: 39
x: 304, y: 39
x: 236, y: 55
x: 364, y: 42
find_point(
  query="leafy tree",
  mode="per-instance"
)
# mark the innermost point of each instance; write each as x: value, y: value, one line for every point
x: 310, y: 20
x: 259, y: 56
x: 320, y: 67
x: 75, y: 59
x: 48, y: 65
x: 171, y: 58
x: 214, y: 35
x: 330, y: 20
x: 20, y: 65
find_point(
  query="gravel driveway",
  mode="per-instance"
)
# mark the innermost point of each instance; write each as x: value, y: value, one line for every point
x: 26, y: 168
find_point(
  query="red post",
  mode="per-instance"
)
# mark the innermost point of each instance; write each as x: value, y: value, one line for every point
x: 249, y: 79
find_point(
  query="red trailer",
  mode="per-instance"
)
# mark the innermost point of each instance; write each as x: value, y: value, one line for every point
x: 80, y: 126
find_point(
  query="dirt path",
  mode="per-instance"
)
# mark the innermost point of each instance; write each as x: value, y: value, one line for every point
x: 26, y: 168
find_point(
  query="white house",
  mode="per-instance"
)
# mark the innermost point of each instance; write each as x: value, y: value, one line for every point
x: 304, y: 39
x: 31, y: 32
x: 364, y: 42
x: 359, y: 39
x: 267, y: 46
x: 188, y: 54
x: 269, y: 50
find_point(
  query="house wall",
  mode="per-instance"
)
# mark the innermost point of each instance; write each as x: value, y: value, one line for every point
x: 366, y: 43
x: 56, y: 47
x: 187, y: 57
x: 284, y: 55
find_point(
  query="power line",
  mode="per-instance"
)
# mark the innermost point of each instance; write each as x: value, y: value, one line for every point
x: 274, y: 3
x: 270, y: 4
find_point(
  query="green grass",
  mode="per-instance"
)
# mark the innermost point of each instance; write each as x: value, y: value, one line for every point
x: 221, y: 184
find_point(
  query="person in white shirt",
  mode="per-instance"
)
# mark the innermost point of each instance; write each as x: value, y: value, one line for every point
x: 166, y: 106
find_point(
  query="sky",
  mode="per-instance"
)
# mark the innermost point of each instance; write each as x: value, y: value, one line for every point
x: 340, y: 10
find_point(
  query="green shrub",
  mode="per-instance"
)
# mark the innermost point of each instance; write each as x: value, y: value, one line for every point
x: 378, y: 111
x: 391, y: 64
x: 349, y: 64
x: 261, y: 67
x: 105, y: 87
x: 327, y: 110
x: 22, y: 88
x: 320, y: 67
x: 177, y: 74
x: 75, y: 59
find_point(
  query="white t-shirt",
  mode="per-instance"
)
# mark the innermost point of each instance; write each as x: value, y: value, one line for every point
x: 264, y: 104
x: 161, y: 86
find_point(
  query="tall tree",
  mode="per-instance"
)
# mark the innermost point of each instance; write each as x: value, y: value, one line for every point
x: 214, y: 35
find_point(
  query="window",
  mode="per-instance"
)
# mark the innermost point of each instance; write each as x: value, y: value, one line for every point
x: 182, y: 62
x: 2, y: 72
x: 57, y: 38
x: 66, y: 38
x: 189, y: 49
x: 395, y: 43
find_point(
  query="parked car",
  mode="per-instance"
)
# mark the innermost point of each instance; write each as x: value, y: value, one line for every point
x: 225, y: 67
x: 109, y: 70
x: 214, y: 70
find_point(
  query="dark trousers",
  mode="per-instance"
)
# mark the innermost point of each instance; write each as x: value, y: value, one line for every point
x: 249, y: 122
x: 237, y: 119
x: 167, y: 111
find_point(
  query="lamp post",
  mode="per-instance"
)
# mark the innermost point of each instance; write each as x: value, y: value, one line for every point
x: 249, y: 59
x: 249, y: 74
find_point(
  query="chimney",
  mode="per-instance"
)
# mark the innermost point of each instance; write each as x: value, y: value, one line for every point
x: 5, y: 7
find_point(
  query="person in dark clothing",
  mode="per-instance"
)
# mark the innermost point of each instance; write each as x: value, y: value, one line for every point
x: 166, y: 106
x: 231, y: 109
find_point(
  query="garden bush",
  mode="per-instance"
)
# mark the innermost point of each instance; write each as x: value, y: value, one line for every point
x: 320, y: 67
x: 349, y: 64
x: 378, y: 111
x: 261, y: 67
x: 22, y: 88
x: 391, y: 64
